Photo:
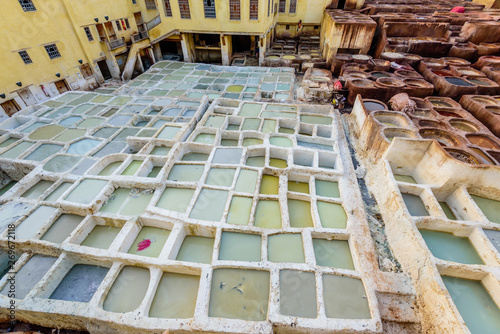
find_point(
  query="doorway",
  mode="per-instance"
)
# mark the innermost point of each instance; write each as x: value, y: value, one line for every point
x: 242, y: 43
x: 103, y: 66
x: 62, y: 86
x: 139, y: 22
x: 171, y: 50
x: 111, y: 31
x: 10, y: 107
x: 102, y: 33
x: 27, y: 96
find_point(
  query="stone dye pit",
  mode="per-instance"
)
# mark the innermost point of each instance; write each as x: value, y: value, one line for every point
x: 221, y: 209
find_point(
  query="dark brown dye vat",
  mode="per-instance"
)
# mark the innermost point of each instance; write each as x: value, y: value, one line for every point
x: 462, y: 156
x: 442, y: 73
x: 442, y: 137
x: 458, y: 82
x: 448, y: 114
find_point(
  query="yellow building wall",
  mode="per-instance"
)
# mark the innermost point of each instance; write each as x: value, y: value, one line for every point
x: 199, y: 24
x: 30, y: 31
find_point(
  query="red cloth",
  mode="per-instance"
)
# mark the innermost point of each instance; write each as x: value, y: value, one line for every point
x: 458, y: 9
x: 337, y: 85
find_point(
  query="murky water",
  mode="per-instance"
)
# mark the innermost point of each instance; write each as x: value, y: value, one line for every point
x: 298, y: 294
x: 155, y: 237
x: 345, y: 297
x: 415, y: 205
x: 268, y: 214
x: 175, y: 296
x: 62, y: 228
x: 80, y: 283
x: 128, y: 290
x: 239, y: 294
x: 101, y: 237
x: 331, y: 215
x: 333, y: 253
x: 489, y: 207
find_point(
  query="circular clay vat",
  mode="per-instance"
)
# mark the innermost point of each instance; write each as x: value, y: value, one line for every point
x: 306, y: 57
x: 462, y: 156
x: 470, y: 72
x: 380, y: 75
x: 442, y: 103
x: 452, y: 61
x: 483, y: 158
x: 391, y: 133
x: 356, y: 74
x: 417, y: 83
x: 442, y: 137
x: 392, y: 56
x: 493, y: 109
x: 485, y: 100
x: 412, y: 59
x: 463, y: 125
x: 390, y: 82
x: 361, y: 58
x: 433, y: 63
x: 425, y: 123
x: 372, y: 105
x: 289, y: 57
x: 390, y: 119
x: 273, y: 57
x: 483, y: 141
x: 442, y: 73
x: 447, y: 113
x: 425, y: 113
x: 365, y: 83
x: 381, y: 65
x: 407, y: 74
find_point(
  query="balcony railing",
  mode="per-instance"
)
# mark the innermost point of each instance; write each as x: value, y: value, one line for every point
x: 153, y: 23
x: 113, y: 45
x: 139, y: 36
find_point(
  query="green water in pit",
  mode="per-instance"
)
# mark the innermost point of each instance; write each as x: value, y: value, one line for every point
x: 34, y: 222
x: 6, y: 187
x: 447, y: 211
x: 415, y: 205
x: 299, y: 187
x: 333, y: 253
x: 210, y: 205
x: 281, y: 142
x: 175, y: 199
x: 269, y: 185
x: 332, y: 215
x: 101, y: 237
x: 251, y: 141
x: 58, y: 192
x: 37, y: 190
x: 298, y: 300
x: 250, y: 110
x: 300, y: 213
x: 479, y: 311
x: 158, y: 238
x: 196, y: 249
x: 345, y: 297
x: 256, y: 161
x: 132, y: 168
x: 239, y: 294
x: 327, y: 189
x: 285, y: 248
x: 206, y: 138
x: 247, y: 181
x: 239, y: 210
x: 175, y: 296
x: 278, y: 163
x: 250, y: 124
x: 128, y: 290
x: 240, y: 247
x: 490, y: 208
x: 62, y: 228
x: 449, y: 247
x: 109, y: 169
x: 195, y: 157
x: 186, y: 173
x: 405, y: 178
x: 221, y: 177
x: 268, y: 214
x: 160, y: 150
x: 86, y: 191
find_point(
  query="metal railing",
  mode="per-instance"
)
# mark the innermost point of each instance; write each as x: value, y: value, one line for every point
x: 153, y: 23
x: 139, y: 36
x: 113, y: 45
